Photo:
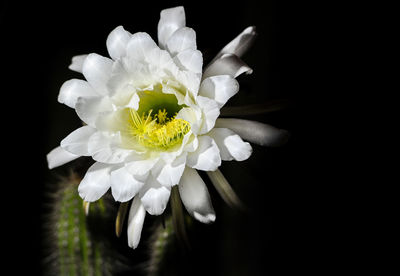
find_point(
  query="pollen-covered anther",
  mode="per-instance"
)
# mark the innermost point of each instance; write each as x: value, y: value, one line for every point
x: 158, y: 131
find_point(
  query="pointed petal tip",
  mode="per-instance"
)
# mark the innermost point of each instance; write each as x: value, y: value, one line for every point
x: 50, y: 164
x: 251, y: 30
x: 136, y: 218
x: 120, y: 219
x: 133, y: 245
x: 281, y: 138
x: 207, y: 218
x: 77, y: 63
x: 58, y: 157
x: 86, y: 206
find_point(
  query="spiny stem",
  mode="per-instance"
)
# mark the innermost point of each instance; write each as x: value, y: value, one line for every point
x: 77, y: 249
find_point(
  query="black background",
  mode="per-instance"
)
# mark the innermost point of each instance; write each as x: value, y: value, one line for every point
x: 279, y: 234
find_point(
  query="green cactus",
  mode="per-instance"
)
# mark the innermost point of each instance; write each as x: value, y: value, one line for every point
x: 75, y: 249
x: 82, y: 244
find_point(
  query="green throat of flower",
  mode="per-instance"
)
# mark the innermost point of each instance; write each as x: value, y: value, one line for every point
x: 154, y: 125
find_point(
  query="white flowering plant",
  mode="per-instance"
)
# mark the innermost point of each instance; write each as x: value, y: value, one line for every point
x: 151, y: 120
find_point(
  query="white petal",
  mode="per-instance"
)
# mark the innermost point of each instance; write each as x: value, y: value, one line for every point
x: 255, y: 132
x: 192, y: 144
x: 133, y: 102
x: 77, y: 63
x: 119, y: 81
x: 89, y: 108
x: 240, y: 44
x: 105, y: 147
x: 210, y: 112
x: 182, y: 39
x: 73, y: 89
x: 161, y: 65
x: 112, y: 121
x: 124, y: 186
x: 219, y: 88
x: 58, y: 157
x: 195, y: 196
x: 97, y: 71
x: 230, y: 145
x: 137, y: 213
x: 141, y: 167
x: 77, y: 141
x: 140, y: 46
x: 206, y: 157
x: 227, y: 64
x: 170, y: 20
x: 96, y: 182
x: 169, y: 174
x: 154, y: 196
x: 117, y: 41
x: 190, y: 60
x: 189, y: 80
x: 192, y: 116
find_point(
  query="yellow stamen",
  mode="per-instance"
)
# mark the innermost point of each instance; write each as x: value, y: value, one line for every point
x: 158, y: 131
x: 162, y: 116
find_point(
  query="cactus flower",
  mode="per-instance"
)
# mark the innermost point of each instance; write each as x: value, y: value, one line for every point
x: 151, y: 119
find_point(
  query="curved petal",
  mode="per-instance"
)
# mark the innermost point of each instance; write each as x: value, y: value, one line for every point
x: 206, y: 157
x: 161, y: 63
x: 154, y: 196
x: 117, y: 41
x: 58, y: 157
x: 224, y: 189
x: 71, y: 90
x: 192, y: 116
x: 77, y: 63
x: 227, y: 64
x: 89, y: 108
x: 124, y: 186
x: 77, y: 141
x: 96, y: 182
x: 255, y: 132
x: 195, y: 196
x: 219, y: 88
x: 137, y: 213
x: 97, y: 71
x: 210, y: 113
x: 191, y: 144
x: 140, y: 46
x: 170, y: 20
x: 230, y: 145
x: 182, y: 39
x: 104, y: 147
x: 112, y: 121
x: 240, y: 44
x: 169, y: 174
x: 190, y: 60
x: 190, y: 80
x: 141, y: 167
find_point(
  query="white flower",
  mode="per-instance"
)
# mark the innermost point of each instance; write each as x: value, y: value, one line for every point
x: 151, y: 116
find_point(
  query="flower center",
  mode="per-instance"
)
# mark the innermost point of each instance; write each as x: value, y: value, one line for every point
x: 154, y: 124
